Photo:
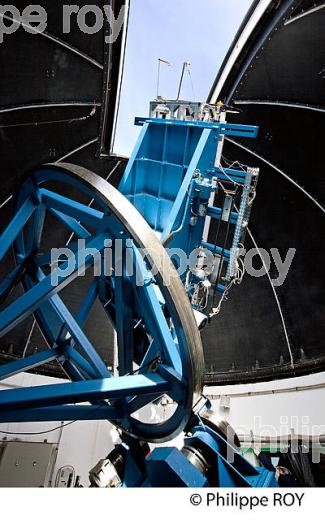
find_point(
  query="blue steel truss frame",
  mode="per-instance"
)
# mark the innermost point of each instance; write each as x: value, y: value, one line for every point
x: 162, y: 367
x: 168, y: 178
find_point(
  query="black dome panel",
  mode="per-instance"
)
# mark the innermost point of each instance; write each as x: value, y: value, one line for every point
x: 266, y: 331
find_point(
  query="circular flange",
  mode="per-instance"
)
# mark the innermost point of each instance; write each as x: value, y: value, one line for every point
x: 177, y: 308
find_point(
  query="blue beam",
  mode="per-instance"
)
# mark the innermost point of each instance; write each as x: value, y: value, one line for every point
x: 229, y: 171
x: 75, y: 373
x: 79, y: 362
x: 70, y: 207
x: 156, y: 321
x: 87, y: 303
x: 124, y: 299
x: 34, y: 230
x: 224, y: 128
x: 62, y: 413
x: 216, y: 213
x: 82, y: 391
x: 71, y: 223
x: 18, y: 222
x: 79, y: 337
x: 56, y: 320
x: 139, y: 401
x: 32, y: 299
x: 217, y: 249
x: 28, y: 363
x: 229, y: 178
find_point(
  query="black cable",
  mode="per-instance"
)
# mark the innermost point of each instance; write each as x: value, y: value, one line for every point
x: 223, y: 250
x: 57, y: 427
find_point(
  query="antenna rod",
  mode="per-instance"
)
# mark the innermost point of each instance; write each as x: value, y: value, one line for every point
x: 160, y: 61
x: 185, y: 65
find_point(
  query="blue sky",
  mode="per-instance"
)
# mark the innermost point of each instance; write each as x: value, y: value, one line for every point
x: 198, y: 31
